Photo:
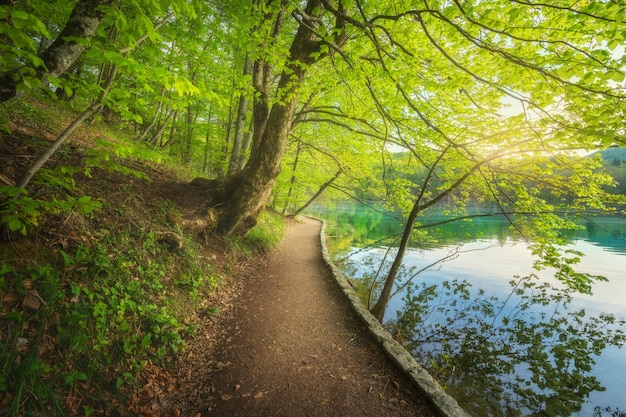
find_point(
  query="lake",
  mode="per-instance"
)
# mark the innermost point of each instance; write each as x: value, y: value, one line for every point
x: 488, y: 257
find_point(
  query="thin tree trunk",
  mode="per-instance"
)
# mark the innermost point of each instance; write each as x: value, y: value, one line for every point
x: 157, y: 115
x: 245, y: 147
x: 240, y: 123
x: 158, y: 135
x: 207, y: 139
x: 381, y: 305
x: 186, y: 151
x: 317, y: 194
x: 30, y: 172
x: 292, y: 180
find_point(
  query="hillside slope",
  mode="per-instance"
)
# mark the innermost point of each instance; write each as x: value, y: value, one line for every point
x: 110, y: 280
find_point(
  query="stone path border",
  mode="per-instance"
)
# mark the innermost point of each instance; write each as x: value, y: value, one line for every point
x: 442, y: 401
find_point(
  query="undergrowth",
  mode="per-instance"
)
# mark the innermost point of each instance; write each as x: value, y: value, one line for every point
x: 264, y: 237
x: 90, y: 295
x: 79, y: 324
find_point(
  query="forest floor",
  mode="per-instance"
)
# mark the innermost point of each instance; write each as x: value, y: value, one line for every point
x: 289, y: 345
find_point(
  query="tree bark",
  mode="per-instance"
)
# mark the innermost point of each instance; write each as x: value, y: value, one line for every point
x: 83, y: 23
x: 244, y: 194
x: 240, y: 123
x: 317, y: 194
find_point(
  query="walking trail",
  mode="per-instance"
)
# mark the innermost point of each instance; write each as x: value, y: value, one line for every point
x: 295, y: 347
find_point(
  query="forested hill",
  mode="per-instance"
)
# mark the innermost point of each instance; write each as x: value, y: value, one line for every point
x: 615, y: 164
x: 614, y: 155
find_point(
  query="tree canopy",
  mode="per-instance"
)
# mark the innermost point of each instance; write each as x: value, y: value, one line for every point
x: 484, y: 100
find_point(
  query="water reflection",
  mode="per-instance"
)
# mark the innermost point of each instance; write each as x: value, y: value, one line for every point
x: 547, y: 359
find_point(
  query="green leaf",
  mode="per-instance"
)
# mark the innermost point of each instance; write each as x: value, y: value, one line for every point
x: 147, y: 339
x: 67, y: 259
x: 32, y: 82
x: 15, y: 224
x: 116, y: 58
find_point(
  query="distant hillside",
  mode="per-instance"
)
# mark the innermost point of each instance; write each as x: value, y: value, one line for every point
x: 613, y: 155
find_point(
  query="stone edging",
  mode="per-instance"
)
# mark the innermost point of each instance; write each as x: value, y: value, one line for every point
x: 444, y: 403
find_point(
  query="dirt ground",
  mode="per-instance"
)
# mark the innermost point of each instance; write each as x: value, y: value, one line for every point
x: 288, y: 344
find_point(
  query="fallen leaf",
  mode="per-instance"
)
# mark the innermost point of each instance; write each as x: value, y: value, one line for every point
x: 32, y: 300
x: 9, y: 300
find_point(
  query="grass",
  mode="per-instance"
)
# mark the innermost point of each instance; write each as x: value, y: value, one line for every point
x: 264, y: 237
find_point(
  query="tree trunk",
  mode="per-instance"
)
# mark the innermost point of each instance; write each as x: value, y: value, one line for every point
x: 381, y: 305
x: 292, y: 180
x: 317, y: 194
x: 240, y: 124
x: 245, y: 146
x: 157, y: 115
x: 245, y: 193
x: 188, y: 143
x: 30, y: 172
x: 205, y: 162
x: 83, y: 23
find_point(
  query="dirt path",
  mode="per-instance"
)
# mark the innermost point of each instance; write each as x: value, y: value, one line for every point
x: 295, y: 348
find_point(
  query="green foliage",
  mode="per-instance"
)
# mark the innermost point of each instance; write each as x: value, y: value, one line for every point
x: 21, y: 212
x: 262, y: 238
x: 102, y: 321
x: 108, y: 156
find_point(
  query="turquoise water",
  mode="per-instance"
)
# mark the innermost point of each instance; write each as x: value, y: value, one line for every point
x: 488, y: 256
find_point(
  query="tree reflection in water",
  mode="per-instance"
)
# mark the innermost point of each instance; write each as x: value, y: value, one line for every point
x: 526, y: 355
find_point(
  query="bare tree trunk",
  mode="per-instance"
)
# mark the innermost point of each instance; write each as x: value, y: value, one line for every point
x: 317, y: 194
x: 381, y: 305
x: 240, y: 123
x: 205, y: 162
x: 30, y: 172
x: 187, y: 145
x: 292, y: 180
x: 156, y: 139
x: 245, y: 147
x: 172, y: 136
x: 157, y: 114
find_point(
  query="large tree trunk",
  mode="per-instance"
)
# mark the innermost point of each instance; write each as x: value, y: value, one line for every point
x: 240, y: 197
x: 83, y: 23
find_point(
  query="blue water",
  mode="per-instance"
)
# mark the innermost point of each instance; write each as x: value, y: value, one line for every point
x: 490, y: 257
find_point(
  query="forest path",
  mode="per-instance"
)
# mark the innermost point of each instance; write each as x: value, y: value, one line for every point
x: 294, y: 347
